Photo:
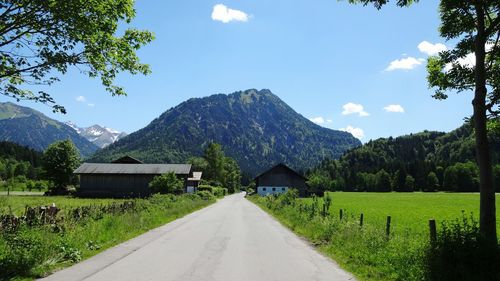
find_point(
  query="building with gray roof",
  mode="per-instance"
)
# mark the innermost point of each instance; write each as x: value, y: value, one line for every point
x: 124, y: 180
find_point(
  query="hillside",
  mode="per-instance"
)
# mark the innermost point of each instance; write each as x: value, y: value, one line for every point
x: 31, y: 128
x: 255, y: 128
x: 416, y: 155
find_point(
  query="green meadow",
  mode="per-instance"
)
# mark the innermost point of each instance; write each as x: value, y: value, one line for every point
x: 17, y: 204
x: 408, y: 211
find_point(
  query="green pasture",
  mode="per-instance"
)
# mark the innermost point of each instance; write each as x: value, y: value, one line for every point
x: 408, y: 211
x: 18, y: 203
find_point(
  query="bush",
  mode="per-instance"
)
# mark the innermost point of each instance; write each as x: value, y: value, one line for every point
x: 250, y: 191
x: 205, y: 187
x: 205, y: 195
x: 20, y: 253
x: 40, y: 185
x: 219, y: 192
x: 288, y: 198
x: 167, y: 183
x: 460, y: 253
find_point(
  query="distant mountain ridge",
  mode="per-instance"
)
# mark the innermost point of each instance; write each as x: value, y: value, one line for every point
x: 98, y: 135
x: 255, y: 127
x: 31, y: 128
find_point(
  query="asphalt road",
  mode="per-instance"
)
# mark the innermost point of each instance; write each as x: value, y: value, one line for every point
x: 231, y: 240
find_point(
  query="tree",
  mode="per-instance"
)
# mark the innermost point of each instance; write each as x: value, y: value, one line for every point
x: 39, y: 38
x: 232, y: 175
x: 366, y: 181
x: 199, y: 163
x: 409, y: 184
x: 383, y: 182
x: 475, y: 25
x: 166, y: 183
x: 21, y: 169
x: 440, y: 175
x: 461, y: 177
x: 432, y: 182
x: 319, y: 183
x: 398, y: 181
x: 60, y: 160
x: 215, y: 162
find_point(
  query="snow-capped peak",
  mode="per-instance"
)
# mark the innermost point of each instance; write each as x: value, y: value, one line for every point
x: 99, y: 135
x: 73, y: 126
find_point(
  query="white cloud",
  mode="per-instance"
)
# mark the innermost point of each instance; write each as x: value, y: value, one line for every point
x: 353, y: 108
x: 469, y: 60
x: 80, y: 99
x: 91, y: 104
x: 431, y: 49
x: 394, y: 108
x: 224, y: 14
x: 404, y: 63
x: 356, y: 132
x: 318, y: 120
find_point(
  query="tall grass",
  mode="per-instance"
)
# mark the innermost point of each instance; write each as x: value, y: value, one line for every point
x: 34, y: 251
x: 367, y: 251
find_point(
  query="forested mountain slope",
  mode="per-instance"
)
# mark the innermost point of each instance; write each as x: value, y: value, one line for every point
x: 255, y: 128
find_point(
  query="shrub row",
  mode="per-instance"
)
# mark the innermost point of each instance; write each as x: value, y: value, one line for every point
x: 217, y: 191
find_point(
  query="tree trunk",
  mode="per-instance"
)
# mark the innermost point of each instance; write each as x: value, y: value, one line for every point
x: 487, y: 221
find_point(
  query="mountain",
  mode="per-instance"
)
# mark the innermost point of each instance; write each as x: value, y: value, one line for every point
x: 98, y: 135
x: 255, y: 128
x: 31, y: 128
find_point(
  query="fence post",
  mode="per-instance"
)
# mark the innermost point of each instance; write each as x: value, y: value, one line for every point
x: 361, y: 220
x: 388, y: 226
x: 341, y: 214
x: 432, y: 231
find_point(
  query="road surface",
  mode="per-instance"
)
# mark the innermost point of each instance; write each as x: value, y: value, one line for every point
x: 231, y: 240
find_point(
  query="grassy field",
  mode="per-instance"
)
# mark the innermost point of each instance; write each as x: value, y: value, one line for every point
x: 367, y: 251
x: 408, y: 211
x: 18, y: 203
x: 83, y: 228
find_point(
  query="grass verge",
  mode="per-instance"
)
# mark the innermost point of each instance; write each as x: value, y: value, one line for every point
x: 32, y: 247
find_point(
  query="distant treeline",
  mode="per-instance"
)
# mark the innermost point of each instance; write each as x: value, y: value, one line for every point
x: 19, y: 161
x: 427, y: 161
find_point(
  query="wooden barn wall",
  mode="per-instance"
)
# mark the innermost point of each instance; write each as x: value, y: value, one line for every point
x: 105, y: 185
x: 115, y: 185
x: 283, y: 177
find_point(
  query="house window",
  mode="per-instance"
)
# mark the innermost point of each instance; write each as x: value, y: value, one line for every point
x: 264, y: 189
x: 274, y: 188
x: 283, y: 189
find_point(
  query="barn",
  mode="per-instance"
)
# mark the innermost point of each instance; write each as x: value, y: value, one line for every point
x: 279, y: 179
x: 124, y: 179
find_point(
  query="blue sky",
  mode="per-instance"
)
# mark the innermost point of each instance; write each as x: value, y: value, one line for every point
x: 344, y: 66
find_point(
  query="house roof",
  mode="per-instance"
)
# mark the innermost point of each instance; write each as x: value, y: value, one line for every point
x: 196, y: 176
x: 127, y: 160
x: 284, y: 166
x: 140, y: 169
